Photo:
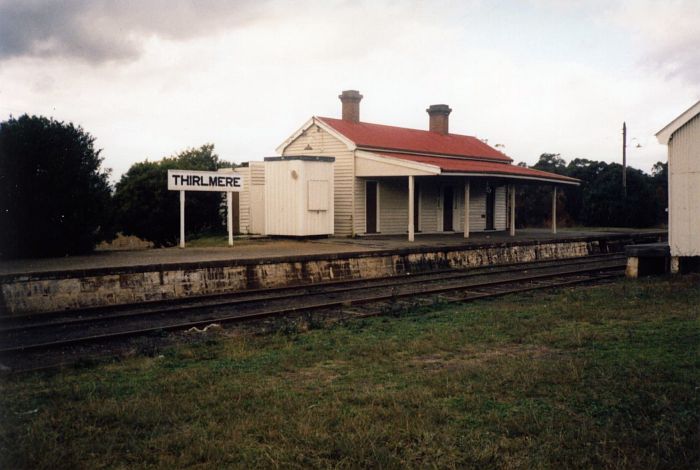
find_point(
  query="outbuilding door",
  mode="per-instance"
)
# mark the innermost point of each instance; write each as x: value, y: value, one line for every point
x: 371, y: 206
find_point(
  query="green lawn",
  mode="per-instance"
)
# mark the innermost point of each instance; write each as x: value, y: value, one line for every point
x: 208, y: 241
x: 217, y: 241
x: 596, y: 377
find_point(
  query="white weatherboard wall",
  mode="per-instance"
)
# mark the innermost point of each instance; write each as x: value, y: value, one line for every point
x: 499, y: 214
x: 257, y: 198
x: 684, y: 189
x: 251, y: 203
x: 393, y: 204
x: 299, y: 196
x: 244, y: 202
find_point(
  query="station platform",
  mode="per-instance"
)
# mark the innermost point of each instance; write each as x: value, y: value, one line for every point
x: 274, y: 248
x: 127, y: 277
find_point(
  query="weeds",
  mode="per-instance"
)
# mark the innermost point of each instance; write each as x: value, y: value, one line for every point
x: 594, y: 377
x: 313, y: 321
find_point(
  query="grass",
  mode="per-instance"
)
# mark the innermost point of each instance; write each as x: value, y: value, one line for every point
x: 596, y: 377
x: 215, y: 240
x: 208, y: 241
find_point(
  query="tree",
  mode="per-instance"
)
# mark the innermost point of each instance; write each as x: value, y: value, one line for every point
x: 146, y: 208
x: 600, y: 199
x: 551, y: 162
x: 659, y: 173
x: 54, y: 196
x: 533, y: 202
x: 586, y: 171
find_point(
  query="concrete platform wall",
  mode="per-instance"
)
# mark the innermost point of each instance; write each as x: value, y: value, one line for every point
x: 46, y: 292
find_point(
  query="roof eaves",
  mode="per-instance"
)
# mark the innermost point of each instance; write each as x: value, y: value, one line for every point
x: 280, y: 148
x: 665, y: 134
x: 317, y: 121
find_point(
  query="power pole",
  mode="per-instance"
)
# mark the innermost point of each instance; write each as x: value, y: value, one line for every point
x: 624, y: 158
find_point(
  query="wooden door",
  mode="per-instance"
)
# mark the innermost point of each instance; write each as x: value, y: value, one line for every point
x: 371, y: 206
x: 447, y: 208
x: 490, y: 206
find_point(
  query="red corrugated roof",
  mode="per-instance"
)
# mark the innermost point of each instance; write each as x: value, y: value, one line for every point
x: 377, y: 136
x: 456, y: 165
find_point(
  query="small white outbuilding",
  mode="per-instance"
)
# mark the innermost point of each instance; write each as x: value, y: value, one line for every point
x: 682, y: 136
x: 299, y: 195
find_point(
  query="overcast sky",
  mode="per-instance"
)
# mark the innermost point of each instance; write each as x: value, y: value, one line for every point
x: 151, y: 78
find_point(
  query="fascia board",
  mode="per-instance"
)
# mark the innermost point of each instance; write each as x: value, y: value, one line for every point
x: 500, y: 175
x: 665, y: 134
x: 318, y: 122
x: 280, y: 148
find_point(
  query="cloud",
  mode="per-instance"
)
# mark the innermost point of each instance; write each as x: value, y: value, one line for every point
x: 667, y: 33
x: 558, y: 77
x: 102, y: 30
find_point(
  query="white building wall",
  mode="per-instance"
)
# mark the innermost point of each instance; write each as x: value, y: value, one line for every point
x: 317, y: 213
x: 499, y: 217
x: 359, y: 217
x: 477, y: 206
x: 257, y: 198
x: 684, y: 189
x: 393, y: 205
x: 244, y: 201
x: 316, y: 141
x: 430, y: 193
x: 281, y: 194
x: 251, y: 203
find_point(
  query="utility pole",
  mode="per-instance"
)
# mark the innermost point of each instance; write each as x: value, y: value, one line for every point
x: 624, y: 158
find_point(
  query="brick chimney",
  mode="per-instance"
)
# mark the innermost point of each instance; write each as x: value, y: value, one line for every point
x: 439, y: 118
x: 351, y: 105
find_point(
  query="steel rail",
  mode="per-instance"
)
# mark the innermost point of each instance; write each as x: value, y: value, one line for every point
x: 244, y: 297
x: 310, y: 307
x: 180, y: 303
x: 485, y: 295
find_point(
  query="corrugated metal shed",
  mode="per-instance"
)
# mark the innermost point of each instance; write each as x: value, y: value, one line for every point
x: 682, y: 136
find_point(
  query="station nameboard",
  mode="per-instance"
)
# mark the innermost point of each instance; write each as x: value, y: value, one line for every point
x: 188, y: 180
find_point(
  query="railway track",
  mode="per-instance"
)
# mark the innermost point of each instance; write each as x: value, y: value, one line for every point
x: 363, y: 297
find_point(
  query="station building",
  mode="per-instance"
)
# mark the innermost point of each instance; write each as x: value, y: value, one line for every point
x: 395, y: 180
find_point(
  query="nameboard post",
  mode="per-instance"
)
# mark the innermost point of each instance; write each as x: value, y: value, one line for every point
x: 189, y: 180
